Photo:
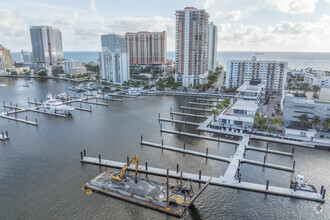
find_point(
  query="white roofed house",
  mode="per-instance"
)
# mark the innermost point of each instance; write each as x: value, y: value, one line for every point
x: 238, y: 117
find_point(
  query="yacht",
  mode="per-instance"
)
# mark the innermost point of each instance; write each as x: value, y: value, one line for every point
x: 56, y: 106
x: 2, y: 85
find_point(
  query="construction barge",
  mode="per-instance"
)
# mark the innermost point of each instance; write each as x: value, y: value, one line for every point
x: 163, y: 197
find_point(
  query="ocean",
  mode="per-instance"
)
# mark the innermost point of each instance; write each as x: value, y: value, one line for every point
x: 296, y: 60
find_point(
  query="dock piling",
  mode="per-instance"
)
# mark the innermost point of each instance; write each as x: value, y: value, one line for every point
x: 322, y: 188
x: 84, y: 153
x: 265, y: 159
x: 81, y: 155
x: 127, y: 159
x: 207, y: 151
x: 239, y: 178
x: 181, y: 180
x: 99, y: 158
x: 141, y: 138
x: 177, y: 168
x: 200, y: 174
x: 292, y: 150
x: 146, y: 166
x: 294, y: 164
x: 267, y: 185
x: 323, y: 195
x: 167, y: 188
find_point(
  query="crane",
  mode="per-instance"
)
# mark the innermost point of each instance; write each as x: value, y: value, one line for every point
x: 121, y: 175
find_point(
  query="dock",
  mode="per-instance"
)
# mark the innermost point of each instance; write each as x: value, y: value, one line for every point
x: 4, y: 136
x: 20, y: 120
x: 179, y: 122
x: 201, y: 104
x: 199, y: 136
x: 209, y: 100
x: 189, y: 115
x: 195, y: 109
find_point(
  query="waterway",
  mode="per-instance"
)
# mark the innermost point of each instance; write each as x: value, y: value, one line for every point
x: 41, y: 176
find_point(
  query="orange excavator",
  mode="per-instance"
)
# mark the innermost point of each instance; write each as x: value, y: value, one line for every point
x: 120, y: 176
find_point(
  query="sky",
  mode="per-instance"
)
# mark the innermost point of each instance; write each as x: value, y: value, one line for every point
x: 244, y: 25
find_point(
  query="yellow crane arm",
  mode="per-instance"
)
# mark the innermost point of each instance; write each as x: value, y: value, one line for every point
x: 121, y: 175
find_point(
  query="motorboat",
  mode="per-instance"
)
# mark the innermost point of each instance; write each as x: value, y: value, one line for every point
x: 26, y: 84
x: 2, y: 85
x: 302, y: 185
x: 81, y: 88
x: 63, y: 96
x: 56, y: 106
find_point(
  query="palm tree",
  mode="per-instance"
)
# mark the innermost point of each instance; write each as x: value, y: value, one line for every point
x: 304, y: 87
x: 316, y: 89
x: 326, y: 123
x: 260, y: 121
x: 289, y: 87
x: 215, y: 112
x: 225, y: 102
x: 297, y: 87
x: 316, y: 121
x: 219, y: 107
x: 303, y: 120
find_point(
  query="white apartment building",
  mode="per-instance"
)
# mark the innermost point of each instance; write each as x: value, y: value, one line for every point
x: 273, y: 72
x: 239, y: 116
x: 319, y: 78
x: 114, y: 67
x: 68, y: 65
x: 254, y: 90
x: 114, y: 61
x: 213, y: 46
x: 191, y: 46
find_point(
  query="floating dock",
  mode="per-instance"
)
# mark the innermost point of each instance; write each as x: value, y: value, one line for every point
x: 4, y: 136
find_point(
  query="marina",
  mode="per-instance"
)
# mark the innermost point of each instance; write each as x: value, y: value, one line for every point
x: 190, y: 148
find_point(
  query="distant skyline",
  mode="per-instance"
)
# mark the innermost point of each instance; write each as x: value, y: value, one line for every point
x: 244, y: 25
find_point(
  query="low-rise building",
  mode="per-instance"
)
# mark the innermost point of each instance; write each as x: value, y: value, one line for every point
x: 319, y: 78
x: 300, y: 132
x: 238, y: 116
x: 77, y: 71
x: 294, y: 107
x: 253, y: 90
x: 19, y: 70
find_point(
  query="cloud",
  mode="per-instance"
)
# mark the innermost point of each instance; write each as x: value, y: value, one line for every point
x: 284, y: 36
x: 93, y: 7
x: 234, y: 16
x: 294, y: 6
x: 208, y: 3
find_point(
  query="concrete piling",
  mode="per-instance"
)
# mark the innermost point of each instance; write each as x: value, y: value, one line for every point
x: 177, y: 168
x: 267, y: 184
x: 81, y: 155
x: 146, y: 166
x: 265, y: 159
x: 100, y: 158
x: 84, y: 153
x: 323, y: 195
x: 127, y: 159
x: 167, y: 188
x: 207, y: 151
x: 292, y: 150
x: 200, y: 174
x: 294, y: 164
x: 322, y: 188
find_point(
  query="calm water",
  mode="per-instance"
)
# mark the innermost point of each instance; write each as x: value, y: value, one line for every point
x: 319, y: 61
x: 41, y: 176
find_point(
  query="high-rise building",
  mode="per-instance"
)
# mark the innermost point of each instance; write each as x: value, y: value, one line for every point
x: 273, y: 72
x: 114, y: 60
x: 213, y: 46
x: 147, y: 48
x: 46, y: 45
x: 113, y: 43
x: 68, y: 65
x: 5, y: 59
x: 26, y: 57
x: 191, y: 46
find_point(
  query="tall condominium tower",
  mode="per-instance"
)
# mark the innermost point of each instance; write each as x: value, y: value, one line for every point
x: 5, y: 59
x: 147, y: 48
x: 113, y: 43
x: 191, y: 46
x: 213, y: 46
x: 46, y: 45
x: 273, y: 72
x: 114, y: 61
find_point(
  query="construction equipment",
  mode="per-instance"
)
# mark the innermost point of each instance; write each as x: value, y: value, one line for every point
x: 120, y: 176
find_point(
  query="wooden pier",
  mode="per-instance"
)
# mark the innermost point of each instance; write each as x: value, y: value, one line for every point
x: 209, y: 100
x: 20, y: 120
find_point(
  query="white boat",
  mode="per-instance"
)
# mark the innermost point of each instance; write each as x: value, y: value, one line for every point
x: 63, y: 96
x: 26, y: 84
x: 56, y: 106
x: 2, y: 85
x: 301, y: 184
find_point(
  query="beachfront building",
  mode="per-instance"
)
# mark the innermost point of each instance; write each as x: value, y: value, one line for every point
x: 239, y: 116
x: 319, y: 78
x: 273, y: 72
x: 253, y: 90
x: 114, y: 60
x: 213, y: 46
x: 147, y: 48
x: 191, y: 46
x: 46, y: 45
x: 74, y: 68
x: 294, y: 107
x: 5, y: 59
